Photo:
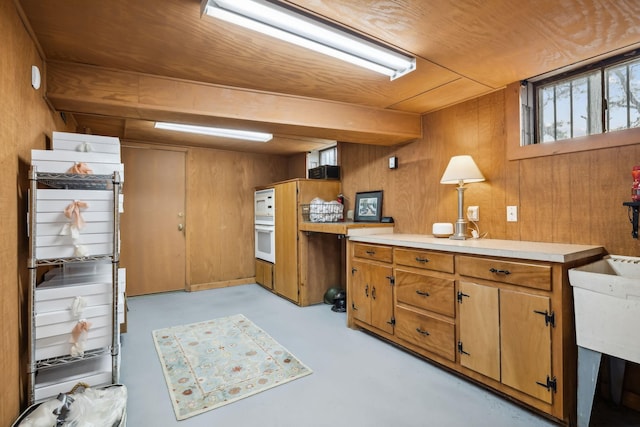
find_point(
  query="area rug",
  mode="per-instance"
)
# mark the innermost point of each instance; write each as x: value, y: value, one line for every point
x: 213, y: 363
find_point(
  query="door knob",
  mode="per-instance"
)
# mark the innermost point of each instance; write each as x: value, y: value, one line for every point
x: 180, y: 227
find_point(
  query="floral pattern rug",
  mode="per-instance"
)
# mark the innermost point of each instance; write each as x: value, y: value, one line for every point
x: 213, y: 363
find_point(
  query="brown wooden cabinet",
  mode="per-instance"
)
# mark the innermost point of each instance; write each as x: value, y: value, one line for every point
x: 264, y: 273
x: 504, y: 335
x: 479, y: 326
x: 525, y: 344
x: 298, y: 275
x: 371, y: 294
x: 425, y: 311
x: 505, y: 322
x: 520, y: 319
x: 425, y: 300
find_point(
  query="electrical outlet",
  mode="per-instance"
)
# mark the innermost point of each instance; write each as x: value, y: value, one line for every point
x: 473, y: 213
x: 512, y: 214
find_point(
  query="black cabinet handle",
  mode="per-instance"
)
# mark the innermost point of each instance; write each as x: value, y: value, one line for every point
x: 422, y: 293
x: 496, y: 271
x: 366, y: 291
x: 422, y: 260
x: 371, y: 253
x: 373, y: 292
x: 423, y: 332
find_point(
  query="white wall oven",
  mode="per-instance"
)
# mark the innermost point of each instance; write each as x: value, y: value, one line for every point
x: 266, y: 242
x: 265, y: 229
x: 264, y: 206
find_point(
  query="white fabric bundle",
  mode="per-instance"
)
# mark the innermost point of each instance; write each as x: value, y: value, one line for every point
x: 103, y: 407
x: 97, y: 407
x: 323, y: 211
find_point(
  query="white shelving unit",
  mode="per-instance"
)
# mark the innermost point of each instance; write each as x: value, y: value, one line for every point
x: 86, y: 287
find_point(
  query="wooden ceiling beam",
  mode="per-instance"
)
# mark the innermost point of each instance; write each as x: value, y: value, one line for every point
x: 88, y: 89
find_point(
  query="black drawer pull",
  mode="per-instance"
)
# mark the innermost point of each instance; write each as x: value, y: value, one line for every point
x: 422, y: 293
x: 496, y: 271
x: 422, y: 260
x: 371, y: 253
x: 423, y: 332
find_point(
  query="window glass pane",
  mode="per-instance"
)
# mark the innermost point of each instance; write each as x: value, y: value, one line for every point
x: 570, y: 108
x: 563, y: 111
x: 571, y: 105
x: 595, y: 102
x: 617, y: 105
x: 329, y: 156
x: 580, y: 113
x: 547, y: 114
x: 634, y: 96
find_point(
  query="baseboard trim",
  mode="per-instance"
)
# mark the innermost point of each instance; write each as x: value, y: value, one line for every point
x: 221, y: 284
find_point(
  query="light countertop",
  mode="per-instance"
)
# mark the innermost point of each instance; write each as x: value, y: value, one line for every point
x: 538, y: 251
x: 347, y: 228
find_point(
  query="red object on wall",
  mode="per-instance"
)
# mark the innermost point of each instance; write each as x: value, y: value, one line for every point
x: 635, y: 189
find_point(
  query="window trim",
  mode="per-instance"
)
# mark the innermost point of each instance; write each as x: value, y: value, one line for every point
x: 584, y: 143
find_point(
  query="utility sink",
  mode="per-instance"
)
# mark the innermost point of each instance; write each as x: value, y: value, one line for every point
x: 606, y: 297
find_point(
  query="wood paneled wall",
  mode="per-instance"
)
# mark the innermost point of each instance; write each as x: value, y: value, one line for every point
x: 220, y: 187
x: 569, y: 198
x: 25, y: 119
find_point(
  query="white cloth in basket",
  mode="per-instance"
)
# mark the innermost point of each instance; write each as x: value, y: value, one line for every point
x: 323, y: 211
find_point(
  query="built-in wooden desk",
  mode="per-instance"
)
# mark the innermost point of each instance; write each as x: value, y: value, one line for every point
x: 347, y: 228
x: 322, y: 255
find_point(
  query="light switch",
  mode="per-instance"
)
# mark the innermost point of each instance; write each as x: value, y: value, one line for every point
x: 393, y: 162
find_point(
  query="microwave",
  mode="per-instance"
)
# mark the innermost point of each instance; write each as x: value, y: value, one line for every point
x: 264, y: 206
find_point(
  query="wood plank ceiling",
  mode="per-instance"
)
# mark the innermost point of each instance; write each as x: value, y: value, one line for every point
x: 119, y: 65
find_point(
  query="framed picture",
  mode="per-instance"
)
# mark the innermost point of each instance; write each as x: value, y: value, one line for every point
x: 368, y: 207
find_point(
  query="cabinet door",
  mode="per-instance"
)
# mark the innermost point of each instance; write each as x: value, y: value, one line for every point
x: 264, y: 273
x: 526, y: 343
x: 381, y: 297
x: 479, y: 329
x: 360, y: 292
x: 286, y: 265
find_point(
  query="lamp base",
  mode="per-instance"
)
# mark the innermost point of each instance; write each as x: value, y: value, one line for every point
x: 461, y: 230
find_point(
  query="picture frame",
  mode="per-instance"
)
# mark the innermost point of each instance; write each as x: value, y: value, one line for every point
x: 368, y: 207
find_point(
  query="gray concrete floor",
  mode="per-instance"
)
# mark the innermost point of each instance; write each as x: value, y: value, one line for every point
x: 358, y: 380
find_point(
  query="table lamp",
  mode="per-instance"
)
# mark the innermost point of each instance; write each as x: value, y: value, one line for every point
x: 461, y: 170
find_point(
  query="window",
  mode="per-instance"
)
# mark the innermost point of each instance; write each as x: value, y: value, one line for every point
x: 599, y: 98
x: 329, y: 156
x: 325, y: 156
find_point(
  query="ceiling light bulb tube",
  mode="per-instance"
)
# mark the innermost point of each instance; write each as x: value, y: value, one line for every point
x: 212, y: 131
x: 286, y: 25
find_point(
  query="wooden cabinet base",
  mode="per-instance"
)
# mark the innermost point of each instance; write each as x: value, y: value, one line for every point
x: 504, y: 323
x: 264, y: 274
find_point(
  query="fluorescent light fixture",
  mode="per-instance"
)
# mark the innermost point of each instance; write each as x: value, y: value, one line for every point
x: 225, y: 133
x: 311, y: 33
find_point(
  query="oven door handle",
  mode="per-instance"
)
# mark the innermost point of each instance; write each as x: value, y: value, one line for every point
x: 268, y: 228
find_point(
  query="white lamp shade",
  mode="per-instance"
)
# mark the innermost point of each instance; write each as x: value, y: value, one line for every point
x: 461, y: 169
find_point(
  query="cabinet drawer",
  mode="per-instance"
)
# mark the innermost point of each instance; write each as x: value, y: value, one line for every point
x: 426, y: 292
x: 434, y: 335
x: 518, y: 273
x: 375, y: 252
x: 424, y: 259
